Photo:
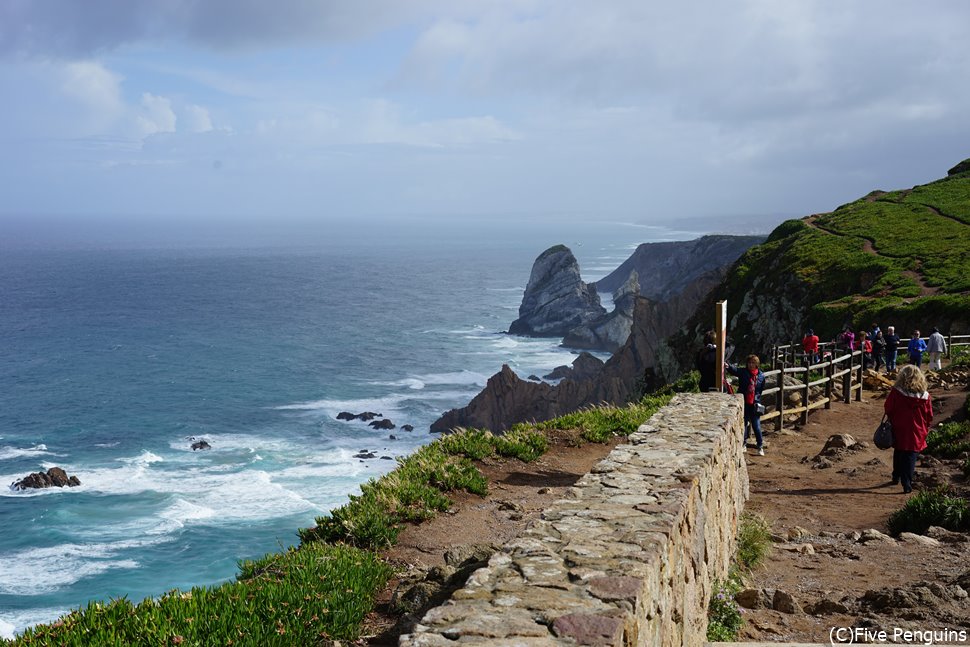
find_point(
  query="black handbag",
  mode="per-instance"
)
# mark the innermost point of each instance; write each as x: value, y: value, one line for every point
x: 883, y: 438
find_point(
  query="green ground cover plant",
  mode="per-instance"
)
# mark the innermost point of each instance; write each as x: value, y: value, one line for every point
x: 939, y: 507
x: 725, y: 617
x: 299, y: 597
x: 948, y: 440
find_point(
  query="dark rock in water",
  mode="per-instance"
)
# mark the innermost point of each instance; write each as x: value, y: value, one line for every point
x: 558, y: 373
x: 386, y: 458
x: 382, y: 424
x: 407, y: 427
x: 365, y: 454
x: 392, y: 437
x: 54, y: 477
x: 201, y: 444
x: 369, y: 415
x: 346, y: 415
x: 534, y: 378
x: 556, y: 300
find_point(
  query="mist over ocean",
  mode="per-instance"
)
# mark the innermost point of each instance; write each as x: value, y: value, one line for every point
x: 113, y: 357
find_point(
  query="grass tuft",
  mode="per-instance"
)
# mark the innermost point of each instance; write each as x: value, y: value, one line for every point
x: 931, y: 508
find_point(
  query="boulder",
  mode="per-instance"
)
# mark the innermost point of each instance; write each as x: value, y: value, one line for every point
x: 365, y: 454
x: 200, y: 444
x: 346, y: 415
x: 584, y: 367
x: 407, y: 427
x: 556, y: 299
x: 54, y: 477
x: 382, y: 424
x: 369, y: 415
x: 785, y: 603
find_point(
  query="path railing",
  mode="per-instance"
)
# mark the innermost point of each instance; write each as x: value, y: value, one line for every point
x: 792, y: 354
x: 845, y: 370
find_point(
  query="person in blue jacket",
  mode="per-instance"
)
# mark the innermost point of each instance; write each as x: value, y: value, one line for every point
x: 751, y: 382
x: 916, y: 348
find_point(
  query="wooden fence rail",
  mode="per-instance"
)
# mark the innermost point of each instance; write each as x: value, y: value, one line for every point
x: 788, y: 360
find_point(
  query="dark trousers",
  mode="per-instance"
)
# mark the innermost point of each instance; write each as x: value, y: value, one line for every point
x: 753, y: 418
x: 891, y: 359
x: 904, y: 467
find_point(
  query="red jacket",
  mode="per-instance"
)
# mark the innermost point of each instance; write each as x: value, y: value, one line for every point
x: 911, y: 415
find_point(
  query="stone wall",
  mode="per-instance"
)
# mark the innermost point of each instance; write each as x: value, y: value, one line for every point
x: 628, y: 558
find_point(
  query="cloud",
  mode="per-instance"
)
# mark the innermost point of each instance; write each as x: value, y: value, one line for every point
x: 156, y: 115
x: 197, y: 118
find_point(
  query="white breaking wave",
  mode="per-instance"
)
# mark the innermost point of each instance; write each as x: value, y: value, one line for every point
x: 8, y: 452
x: 464, y: 377
x: 37, y: 571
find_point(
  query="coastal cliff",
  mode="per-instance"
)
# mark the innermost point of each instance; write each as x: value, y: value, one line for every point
x: 556, y: 300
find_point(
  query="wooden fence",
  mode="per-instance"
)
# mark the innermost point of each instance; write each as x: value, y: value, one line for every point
x: 847, y: 368
x: 837, y: 364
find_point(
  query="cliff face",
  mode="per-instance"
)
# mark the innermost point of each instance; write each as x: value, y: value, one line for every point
x: 556, y: 300
x: 610, y: 332
x: 507, y: 399
x: 666, y: 269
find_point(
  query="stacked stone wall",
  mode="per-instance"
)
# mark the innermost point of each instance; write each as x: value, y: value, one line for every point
x: 629, y: 557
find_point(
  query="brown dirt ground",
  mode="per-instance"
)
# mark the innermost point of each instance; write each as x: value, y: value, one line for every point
x: 853, y: 494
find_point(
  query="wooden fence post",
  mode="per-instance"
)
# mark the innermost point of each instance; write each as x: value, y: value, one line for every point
x: 829, y: 370
x: 858, y: 394
x: 805, y: 397
x: 780, y: 401
x: 847, y: 383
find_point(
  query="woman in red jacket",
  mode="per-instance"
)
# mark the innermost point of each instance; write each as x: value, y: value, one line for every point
x: 911, y: 413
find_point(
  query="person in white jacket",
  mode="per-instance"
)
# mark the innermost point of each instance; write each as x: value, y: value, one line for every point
x: 936, y: 346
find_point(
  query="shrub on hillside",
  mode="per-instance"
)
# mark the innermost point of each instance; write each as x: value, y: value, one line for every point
x: 931, y: 508
x: 948, y: 440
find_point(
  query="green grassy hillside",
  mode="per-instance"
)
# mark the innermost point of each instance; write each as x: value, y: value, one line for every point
x: 900, y: 258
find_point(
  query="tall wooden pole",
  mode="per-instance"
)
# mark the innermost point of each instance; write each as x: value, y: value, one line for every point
x: 720, y: 331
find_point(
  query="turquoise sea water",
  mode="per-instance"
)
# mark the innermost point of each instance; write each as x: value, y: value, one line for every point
x: 113, y: 358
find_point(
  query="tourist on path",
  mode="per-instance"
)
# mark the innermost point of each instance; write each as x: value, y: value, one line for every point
x: 810, y: 347
x: 916, y: 347
x: 866, y: 347
x: 878, y: 350
x: 707, y: 362
x: 848, y: 339
x: 910, y: 411
x: 892, y: 347
x: 936, y: 348
x: 751, y: 382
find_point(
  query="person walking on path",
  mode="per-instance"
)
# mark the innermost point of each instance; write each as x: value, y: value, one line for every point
x: 878, y: 350
x: 751, y: 382
x: 866, y: 347
x: 848, y: 339
x: 707, y: 362
x: 936, y: 348
x: 916, y: 347
x: 810, y: 347
x: 892, y: 347
x: 910, y: 411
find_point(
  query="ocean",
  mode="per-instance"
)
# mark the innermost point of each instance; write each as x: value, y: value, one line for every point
x: 113, y: 358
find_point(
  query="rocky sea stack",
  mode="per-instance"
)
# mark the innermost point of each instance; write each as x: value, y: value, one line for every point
x: 556, y: 300
x: 54, y: 477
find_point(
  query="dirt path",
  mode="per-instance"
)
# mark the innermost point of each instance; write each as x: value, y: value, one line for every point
x: 828, y: 504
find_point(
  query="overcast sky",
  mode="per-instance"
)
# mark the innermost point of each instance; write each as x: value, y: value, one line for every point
x: 622, y: 109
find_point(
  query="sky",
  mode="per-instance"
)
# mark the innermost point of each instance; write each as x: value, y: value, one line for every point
x: 632, y: 110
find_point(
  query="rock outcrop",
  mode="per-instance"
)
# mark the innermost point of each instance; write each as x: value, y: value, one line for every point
x: 585, y: 366
x: 54, y: 477
x: 556, y: 300
x: 610, y: 332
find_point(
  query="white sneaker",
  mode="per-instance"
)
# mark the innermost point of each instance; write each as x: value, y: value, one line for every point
x: 761, y: 452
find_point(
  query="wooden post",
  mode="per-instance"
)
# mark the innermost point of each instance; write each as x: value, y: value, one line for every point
x: 805, y: 396
x: 949, y: 345
x: 829, y: 370
x: 720, y: 332
x: 847, y: 383
x: 780, y: 401
x: 858, y: 393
